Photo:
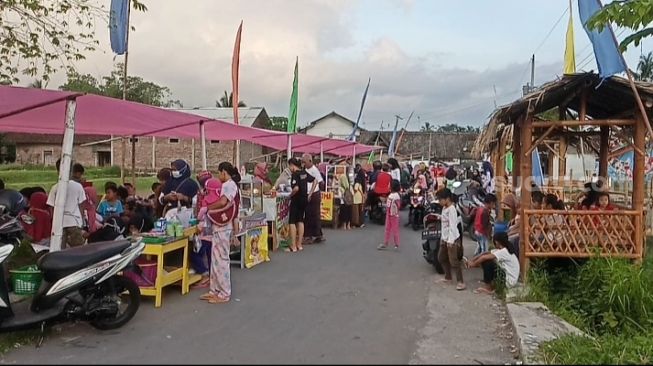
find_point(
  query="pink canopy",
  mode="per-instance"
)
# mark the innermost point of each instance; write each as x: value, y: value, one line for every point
x: 31, y: 110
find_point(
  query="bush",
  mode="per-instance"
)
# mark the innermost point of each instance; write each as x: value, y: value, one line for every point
x: 603, y: 350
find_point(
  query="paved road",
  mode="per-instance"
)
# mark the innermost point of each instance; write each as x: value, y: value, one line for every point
x: 338, y: 302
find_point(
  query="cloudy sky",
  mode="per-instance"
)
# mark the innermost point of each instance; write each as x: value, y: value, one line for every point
x: 446, y: 60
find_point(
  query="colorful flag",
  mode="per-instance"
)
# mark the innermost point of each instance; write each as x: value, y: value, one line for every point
x: 570, y: 54
x: 352, y: 136
x: 606, y: 52
x: 118, y: 25
x: 294, y: 98
x: 370, y: 159
x: 391, y: 148
x: 235, y: 65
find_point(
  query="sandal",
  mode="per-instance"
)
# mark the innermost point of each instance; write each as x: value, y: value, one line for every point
x: 201, y: 284
x: 218, y: 300
x: 483, y: 290
x: 290, y: 250
x: 300, y: 248
x: 207, y: 296
x: 382, y: 247
x: 443, y: 281
x: 461, y: 287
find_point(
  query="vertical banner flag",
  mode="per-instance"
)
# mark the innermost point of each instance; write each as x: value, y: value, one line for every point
x: 538, y: 175
x: 391, y: 148
x: 292, y: 115
x: 352, y: 137
x: 235, y: 65
x: 118, y: 24
x: 606, y: 53
x: 570, y: 53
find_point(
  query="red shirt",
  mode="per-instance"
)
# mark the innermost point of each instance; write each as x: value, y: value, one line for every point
x: 383, y: 181
x: 482, y: 221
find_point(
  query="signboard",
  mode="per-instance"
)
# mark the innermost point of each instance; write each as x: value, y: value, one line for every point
x: 282, y: 226
x: 326, y: 206
x: 256, y: 246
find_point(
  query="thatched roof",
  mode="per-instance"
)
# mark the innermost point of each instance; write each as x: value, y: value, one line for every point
x: 611, y: 98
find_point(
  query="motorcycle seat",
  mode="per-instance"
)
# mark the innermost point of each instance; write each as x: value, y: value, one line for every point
x: 59, y: 264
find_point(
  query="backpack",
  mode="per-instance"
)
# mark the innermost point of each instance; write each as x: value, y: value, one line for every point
x: 348, y: 197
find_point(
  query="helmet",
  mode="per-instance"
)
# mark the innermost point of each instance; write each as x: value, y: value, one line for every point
x: 12, y: 202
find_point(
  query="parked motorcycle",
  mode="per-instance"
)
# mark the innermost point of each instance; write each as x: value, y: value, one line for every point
x: 79, y: 283
x: 378, y: 211
x: 12, y: 207
x: 417, y: 208
x: 431, y: 235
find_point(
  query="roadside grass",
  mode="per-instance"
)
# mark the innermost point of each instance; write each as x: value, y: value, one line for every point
x: 17, y: 339
x: 610, y: 299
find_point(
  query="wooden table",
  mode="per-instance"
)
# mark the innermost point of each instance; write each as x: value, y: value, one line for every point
x: 165, y: 278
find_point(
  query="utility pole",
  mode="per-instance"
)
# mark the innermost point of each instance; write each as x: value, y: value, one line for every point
x: 533, y: 73
x: 394, y: 137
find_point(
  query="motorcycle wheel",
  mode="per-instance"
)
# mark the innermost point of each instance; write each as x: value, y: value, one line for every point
x: 119, y: 289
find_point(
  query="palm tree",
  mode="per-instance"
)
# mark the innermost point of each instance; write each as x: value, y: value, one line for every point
x: 428, y: 127
x: 226, y: 101
x: 645, y: 67
x: 37, y: 84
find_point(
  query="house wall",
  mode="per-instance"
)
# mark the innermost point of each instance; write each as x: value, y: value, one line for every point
x: 575, y: 164
x: 33, y: 154
x: 333, y: 127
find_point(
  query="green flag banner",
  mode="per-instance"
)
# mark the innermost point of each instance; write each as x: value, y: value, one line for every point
x: 292, y: 116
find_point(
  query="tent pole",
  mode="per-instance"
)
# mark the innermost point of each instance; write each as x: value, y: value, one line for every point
x: 321, y: 152
x: 153, y: 153
x: 192, y: 153
x: 124, y: 161
x: 381, y: 155
x: 203, y: 137
x: 289, y: 153
x: 238, y: 155
x: 64, y: 176
x: 133, y: 161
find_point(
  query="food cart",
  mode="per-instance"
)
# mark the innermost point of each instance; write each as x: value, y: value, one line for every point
x: 330, y: 205
x: 251, y: 245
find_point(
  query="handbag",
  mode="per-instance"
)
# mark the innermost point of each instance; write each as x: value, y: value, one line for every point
x: 225, y: 215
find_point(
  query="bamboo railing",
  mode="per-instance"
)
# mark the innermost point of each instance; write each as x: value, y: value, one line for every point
x: 581, y: 234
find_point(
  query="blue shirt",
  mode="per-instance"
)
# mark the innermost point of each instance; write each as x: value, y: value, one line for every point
x: 108, y: 209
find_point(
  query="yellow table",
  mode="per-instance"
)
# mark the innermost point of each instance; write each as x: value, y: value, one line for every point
x: 165, y: 278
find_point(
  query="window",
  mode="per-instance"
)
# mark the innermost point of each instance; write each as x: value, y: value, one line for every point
x: 173, y: 141
x: 48, y: 158
x: 104, y: 158
x: 133, y: 140
x: 215, y: 141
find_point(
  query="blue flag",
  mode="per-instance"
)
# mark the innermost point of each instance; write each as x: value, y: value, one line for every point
x: 352, y: 136
x: 604, y: 43
x: 538, y: 175
x: 118, y: 23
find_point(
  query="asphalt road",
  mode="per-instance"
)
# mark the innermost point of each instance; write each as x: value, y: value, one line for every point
x: 338, y: 302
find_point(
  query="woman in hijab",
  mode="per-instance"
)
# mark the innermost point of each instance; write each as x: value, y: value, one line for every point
x: 42, y: 226
x: 180, y: 189
x: 488, y: 177
x: 347, y: 198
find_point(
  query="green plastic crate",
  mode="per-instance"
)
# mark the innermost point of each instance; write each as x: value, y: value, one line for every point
x: 26, y: 280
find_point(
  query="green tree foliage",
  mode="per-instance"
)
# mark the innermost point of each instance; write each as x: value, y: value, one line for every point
x: 38, y: 38
x: 427, y: 127
x: 227, y: 101
x: 138, y: 90
x: 278, y: 123
x: 636, y: 15
x: 645, y: 67
x: 449, y: 128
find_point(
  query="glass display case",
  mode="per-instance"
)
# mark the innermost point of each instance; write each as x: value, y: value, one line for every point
x: 251, y: 196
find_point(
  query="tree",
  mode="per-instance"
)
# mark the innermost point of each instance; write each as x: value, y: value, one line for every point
x: 138, y: 90
x: 427, y: 127
x: 278, y: 124
x: 645, y: 67
x: 636, y: 15
x: 38, y: 38
x: 36, y: 84
x: 227, y: 101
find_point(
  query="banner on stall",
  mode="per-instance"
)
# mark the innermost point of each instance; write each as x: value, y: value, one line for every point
x: 326, y: 207
x: 256, y: 246
x: 282, y: 226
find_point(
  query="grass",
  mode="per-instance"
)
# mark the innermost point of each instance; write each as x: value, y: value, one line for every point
x: 610, y: 299
x: 17, y: 339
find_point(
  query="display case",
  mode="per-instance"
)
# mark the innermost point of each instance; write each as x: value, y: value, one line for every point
x: 251, y: 196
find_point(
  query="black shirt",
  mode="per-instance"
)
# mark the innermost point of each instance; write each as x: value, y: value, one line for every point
x: 301, y: 179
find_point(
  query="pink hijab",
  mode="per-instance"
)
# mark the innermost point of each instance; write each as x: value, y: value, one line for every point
x: 422, y: 182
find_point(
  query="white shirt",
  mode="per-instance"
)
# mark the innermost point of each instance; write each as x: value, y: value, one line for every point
x: 315, y: 173
x: 75, y: 196
x: 229, y: 190
x: 449, y: 221
x: 509, y: 263
x: 396, y: 174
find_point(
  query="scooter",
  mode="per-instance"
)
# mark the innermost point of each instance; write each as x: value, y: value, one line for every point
x: 431, y: 235
x: 79, y: 283
x: 417, y: 202
x: 378, y: 211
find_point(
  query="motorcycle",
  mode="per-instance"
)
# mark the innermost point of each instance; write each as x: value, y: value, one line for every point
x: 378, y: 211
x: 405, y: 198
x: 431, y: 235
x: 417, y: 203
x: 79, y: 283
x: 12, y: 206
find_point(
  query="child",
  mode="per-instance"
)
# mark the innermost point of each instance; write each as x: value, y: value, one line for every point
x: 392, y: 217
x: 210, y: 194
x: 503, y: 258
x: 604, y: 203
x: 482, y: 224
x: 111, y: 206
x: 451, y: 242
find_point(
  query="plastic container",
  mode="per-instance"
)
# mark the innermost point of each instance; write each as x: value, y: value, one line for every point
x: 170, y: 228
x: 500, y: 227
x: 26, y: 280
x: 179, y: 230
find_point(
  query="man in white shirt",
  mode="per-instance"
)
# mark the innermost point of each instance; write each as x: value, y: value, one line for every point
x: 313, y: 223
x: 73, y: 220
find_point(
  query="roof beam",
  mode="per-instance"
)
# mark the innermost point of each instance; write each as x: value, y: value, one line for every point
x: 589, y: 122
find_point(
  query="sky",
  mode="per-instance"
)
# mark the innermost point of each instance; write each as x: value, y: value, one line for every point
x: 446, y: 61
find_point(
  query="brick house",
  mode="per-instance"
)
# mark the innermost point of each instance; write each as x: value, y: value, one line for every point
x: 151, y: 153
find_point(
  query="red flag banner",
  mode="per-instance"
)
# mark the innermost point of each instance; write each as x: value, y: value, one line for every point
x: 235, y: 65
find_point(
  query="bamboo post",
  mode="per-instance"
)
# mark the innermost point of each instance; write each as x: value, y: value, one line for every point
x: 500, y: 176
x: 526, y: 171
x: 153, y: 153
x: 603, y: 154
x: 516, y: 156
x: 123, y: 164
x: 64, y: 176
x: 133, y: 141
x: 638, y: 183
x: 203, y: 137
x: 562, y: 161
x: 192, y: 153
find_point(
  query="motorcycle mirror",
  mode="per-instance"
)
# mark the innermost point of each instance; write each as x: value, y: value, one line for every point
x: 28, y: 219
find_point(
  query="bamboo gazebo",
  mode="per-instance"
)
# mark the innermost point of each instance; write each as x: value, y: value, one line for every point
x: 588, y: 108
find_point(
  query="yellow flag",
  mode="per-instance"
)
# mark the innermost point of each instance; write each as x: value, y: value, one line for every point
x: 570, y: 56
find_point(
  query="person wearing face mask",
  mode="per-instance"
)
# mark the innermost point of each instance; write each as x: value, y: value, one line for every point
x: 180, y: 189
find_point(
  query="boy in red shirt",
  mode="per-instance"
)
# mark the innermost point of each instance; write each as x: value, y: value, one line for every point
x: 482, y: 224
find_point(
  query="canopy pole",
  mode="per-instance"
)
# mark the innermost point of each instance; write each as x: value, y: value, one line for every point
x: 133, y: 162
x: 289, y: 153
x: 112, y: 158
x: 153, y: 153
x: 203, y: 137
x: 353, y: 158
x: 237, y: 159
x: 321, y: 152
x: 124, y: 160
x: 64, y: 176
x: 381, y: 155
